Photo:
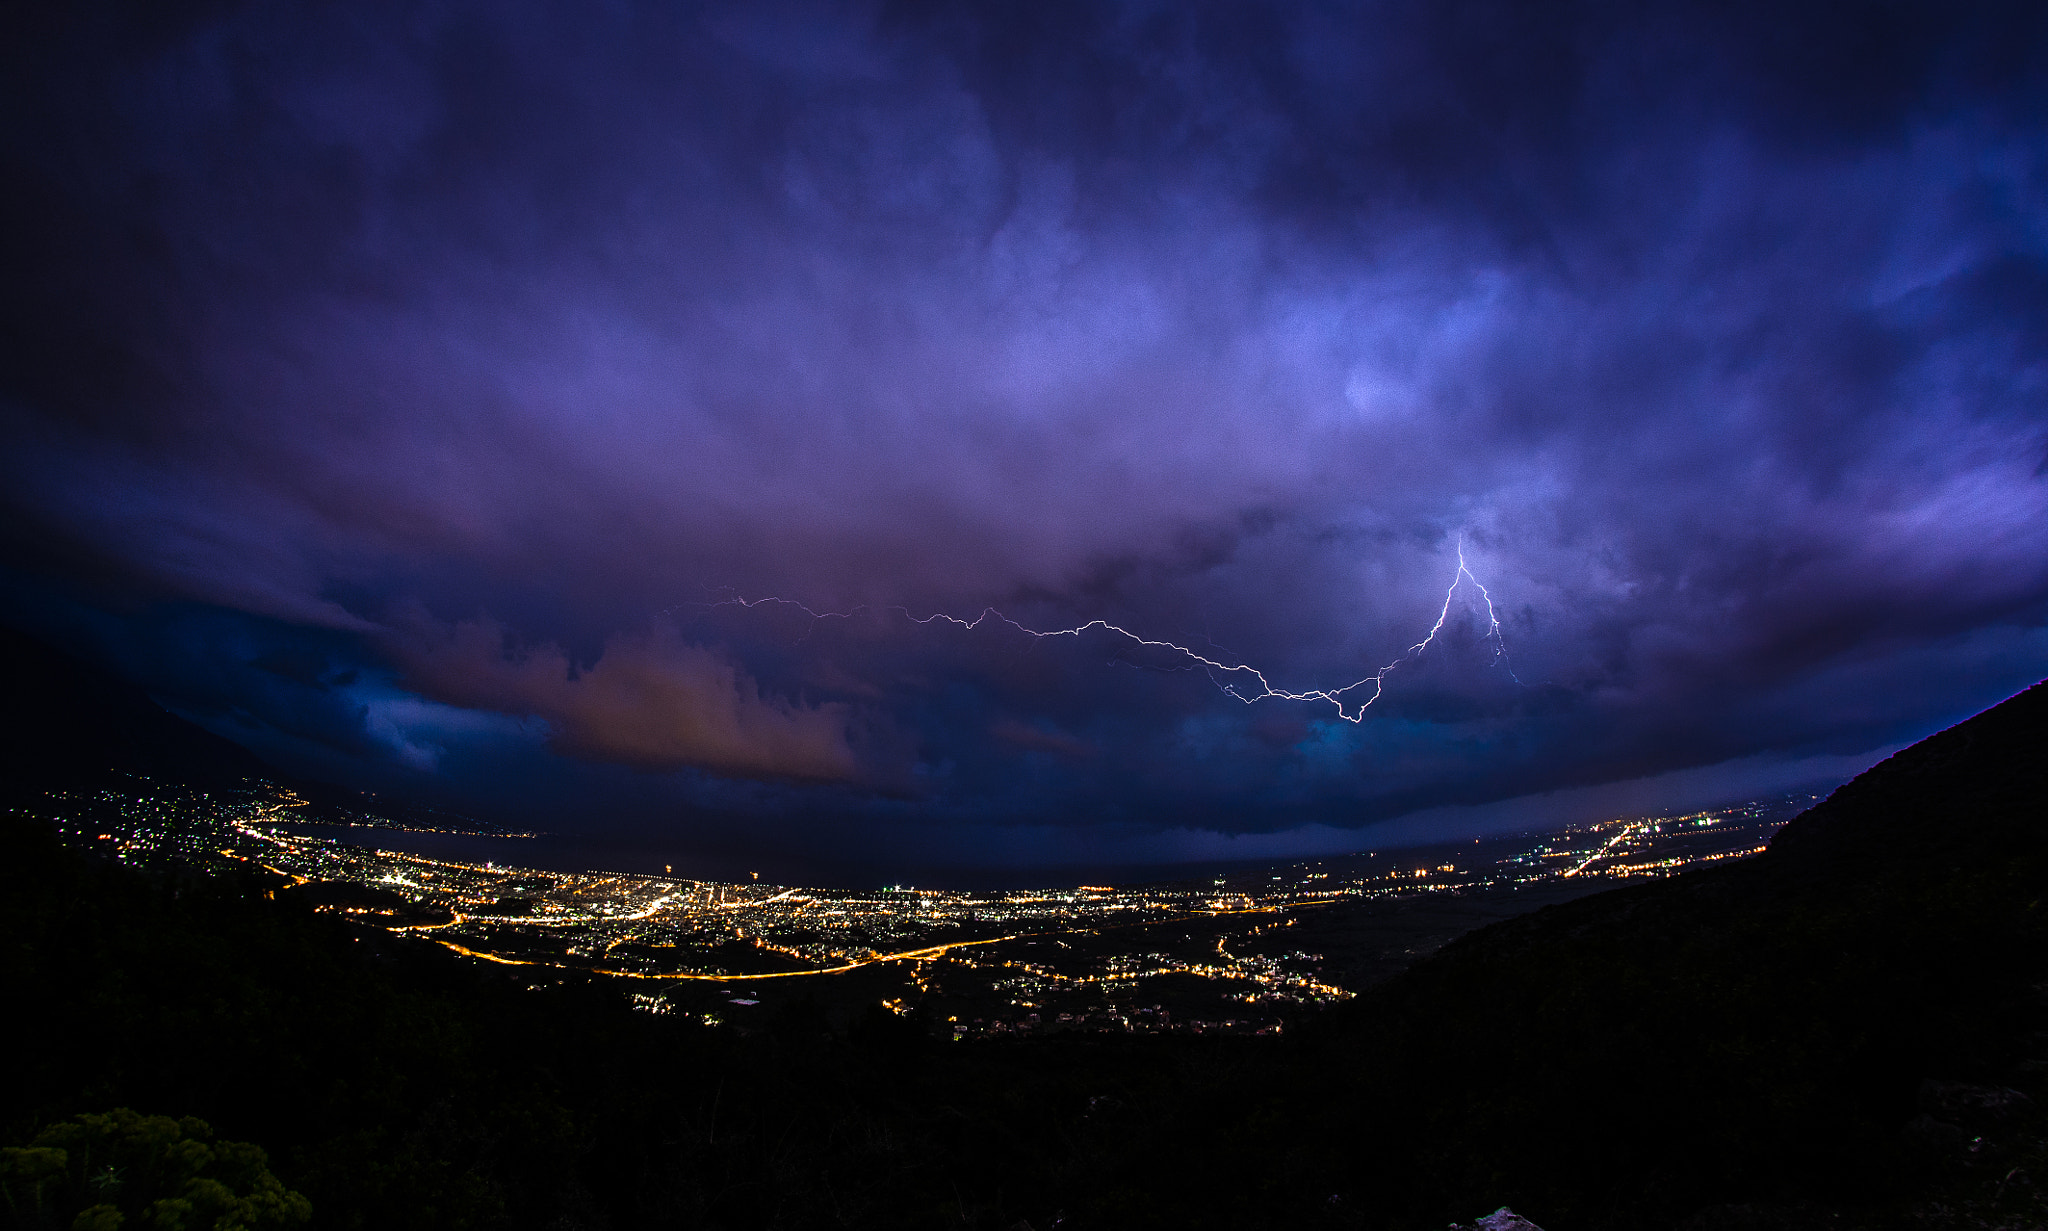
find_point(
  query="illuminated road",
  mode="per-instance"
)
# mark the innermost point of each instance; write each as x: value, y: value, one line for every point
x: 1589, y: 860
x: 908, y: 955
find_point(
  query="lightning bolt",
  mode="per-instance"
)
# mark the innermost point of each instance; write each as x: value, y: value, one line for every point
x: 1240, y: 681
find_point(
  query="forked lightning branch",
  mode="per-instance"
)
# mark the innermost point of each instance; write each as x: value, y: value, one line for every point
x: 1241, y: 681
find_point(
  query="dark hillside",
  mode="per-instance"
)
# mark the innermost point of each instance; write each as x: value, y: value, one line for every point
x: 1780, y: 1031
x: 68, y: 722
x: 1977, y: 791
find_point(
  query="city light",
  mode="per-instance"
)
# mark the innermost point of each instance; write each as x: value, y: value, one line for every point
x: 1194, y: 956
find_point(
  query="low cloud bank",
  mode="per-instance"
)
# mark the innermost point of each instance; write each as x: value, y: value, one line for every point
x: 651, y: 700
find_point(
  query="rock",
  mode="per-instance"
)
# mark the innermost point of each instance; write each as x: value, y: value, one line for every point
x: 1502, y: 1219
x: 1939, y: 1143
x: 1976, y: 1106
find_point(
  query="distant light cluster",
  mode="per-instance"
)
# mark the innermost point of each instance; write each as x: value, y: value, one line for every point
x: 1216, y: 954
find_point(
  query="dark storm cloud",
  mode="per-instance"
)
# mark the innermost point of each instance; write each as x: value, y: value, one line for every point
x: 494, y: 345
x: 650, y: 700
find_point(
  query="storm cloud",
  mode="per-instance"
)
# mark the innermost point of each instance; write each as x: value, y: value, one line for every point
x: 499, y: 350
x: 650, y: 701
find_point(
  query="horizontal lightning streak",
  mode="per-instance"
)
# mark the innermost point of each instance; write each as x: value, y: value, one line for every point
x: 1250, y: 684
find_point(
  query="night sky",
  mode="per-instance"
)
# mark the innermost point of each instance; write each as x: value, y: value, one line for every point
x: 574, y: 414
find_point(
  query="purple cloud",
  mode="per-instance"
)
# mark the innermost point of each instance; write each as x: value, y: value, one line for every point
x: 500, y: 341
x: 650, y: 700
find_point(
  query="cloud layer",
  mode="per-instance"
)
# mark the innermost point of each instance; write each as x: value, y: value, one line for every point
x: 488, y: 348
x: 650, y: 701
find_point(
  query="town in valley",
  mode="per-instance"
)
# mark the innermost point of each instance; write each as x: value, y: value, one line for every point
x: 1238, y: 951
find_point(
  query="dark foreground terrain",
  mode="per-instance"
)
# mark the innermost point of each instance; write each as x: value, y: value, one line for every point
x: 1850, y: 1030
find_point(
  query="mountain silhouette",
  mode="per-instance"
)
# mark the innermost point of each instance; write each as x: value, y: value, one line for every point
x: 1777, y: 1030
x: 67, y: 722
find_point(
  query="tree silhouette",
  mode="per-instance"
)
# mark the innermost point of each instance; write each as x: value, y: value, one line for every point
x: 121, y: 1168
